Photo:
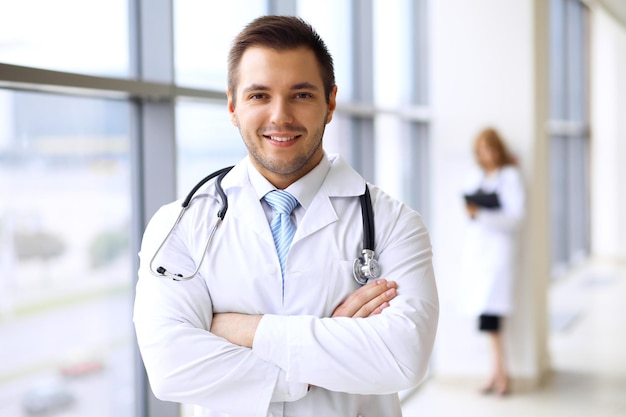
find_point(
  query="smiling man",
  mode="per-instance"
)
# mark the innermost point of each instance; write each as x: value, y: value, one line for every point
x: 281, y: 111
x: 274, y: 322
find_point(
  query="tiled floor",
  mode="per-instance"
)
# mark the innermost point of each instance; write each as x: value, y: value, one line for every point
x: 588, y: 353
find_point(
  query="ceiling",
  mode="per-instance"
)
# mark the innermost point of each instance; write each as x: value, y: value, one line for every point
x: 617, y: 8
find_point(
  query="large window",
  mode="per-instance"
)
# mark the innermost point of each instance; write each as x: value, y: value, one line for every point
x: 109, y: 109
x: 569, y: 132
x: 67, y: 275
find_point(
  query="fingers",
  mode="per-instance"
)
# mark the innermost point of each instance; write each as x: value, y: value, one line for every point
x: 368, y: 300
x: 385, y: 292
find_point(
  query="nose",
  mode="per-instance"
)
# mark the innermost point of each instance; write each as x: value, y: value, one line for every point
x: 281, y: 112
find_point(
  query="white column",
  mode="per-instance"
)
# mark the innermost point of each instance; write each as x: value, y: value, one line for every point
x: 608, y: 136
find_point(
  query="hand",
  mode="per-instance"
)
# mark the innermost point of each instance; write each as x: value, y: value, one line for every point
x: 369, y: 300
x: 472, y: 210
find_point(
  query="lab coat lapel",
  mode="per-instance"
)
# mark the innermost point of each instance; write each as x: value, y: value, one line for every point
x: 246, y: 207
x: 248, y: 210
x: 341, y: 181
x: 319, y: 214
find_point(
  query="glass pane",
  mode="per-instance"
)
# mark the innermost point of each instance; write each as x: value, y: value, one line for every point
x: 332, y: 21
x: 206, y: 142
x: 391, y: 145
x: 392, y: 57
x: 67, y: 275
x: 203, y: 32
x: 337, y: 137
x: 88, y: 37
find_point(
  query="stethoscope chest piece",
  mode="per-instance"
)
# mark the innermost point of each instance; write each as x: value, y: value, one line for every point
x: 365, y: 267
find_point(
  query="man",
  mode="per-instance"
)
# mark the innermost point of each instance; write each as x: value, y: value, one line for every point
x: 270, y: 330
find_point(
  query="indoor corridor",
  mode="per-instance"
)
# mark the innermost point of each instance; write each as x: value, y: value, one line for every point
x: 588, y: 356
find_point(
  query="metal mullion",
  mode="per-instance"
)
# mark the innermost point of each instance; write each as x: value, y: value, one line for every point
x: 558, y: 35
x: 362, y: 111
x: 418, y: 12
x: 16, y: 77
x: 363, y: 61
x: 574, y: 65
x: 153, y: 26
x: 419, y: 126
x: 282, y: 7
x: 413, y: 113
x: 20, y: 77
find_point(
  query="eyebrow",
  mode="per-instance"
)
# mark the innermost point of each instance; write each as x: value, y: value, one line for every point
x: 304, y: 86
x: 300, y: 86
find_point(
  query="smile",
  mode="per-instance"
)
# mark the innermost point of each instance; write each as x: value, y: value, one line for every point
x: 282, y: 138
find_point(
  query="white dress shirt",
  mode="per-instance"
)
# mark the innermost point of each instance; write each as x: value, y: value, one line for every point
x: 354, y: 366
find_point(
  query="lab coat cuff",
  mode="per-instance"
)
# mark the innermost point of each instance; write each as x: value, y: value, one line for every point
x: 272, y: 343
x: 271, y: 340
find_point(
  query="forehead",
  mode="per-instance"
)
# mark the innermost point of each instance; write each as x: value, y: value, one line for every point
x: 276, y: 69
x: 483, y: 144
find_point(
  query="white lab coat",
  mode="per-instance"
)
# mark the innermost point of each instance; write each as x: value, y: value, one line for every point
x: 355, y: 366
x: 490, y: 253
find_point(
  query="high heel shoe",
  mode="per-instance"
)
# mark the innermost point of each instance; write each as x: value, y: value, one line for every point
x: 488, y: 388
x: 502, y: 389
x: 497, y: 388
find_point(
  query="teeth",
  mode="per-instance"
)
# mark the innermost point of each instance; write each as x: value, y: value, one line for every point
x: 282, y: 139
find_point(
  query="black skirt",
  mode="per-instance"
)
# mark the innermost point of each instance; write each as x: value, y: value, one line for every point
x: 489, y: 323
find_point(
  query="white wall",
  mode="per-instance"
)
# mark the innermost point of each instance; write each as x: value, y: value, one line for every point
x: 608, y: 136
x: 489, y: 67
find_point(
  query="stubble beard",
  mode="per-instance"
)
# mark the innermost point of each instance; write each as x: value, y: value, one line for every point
x: 285, y: 167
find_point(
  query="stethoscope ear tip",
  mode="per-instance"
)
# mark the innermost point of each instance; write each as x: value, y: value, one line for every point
x: 163, y: 272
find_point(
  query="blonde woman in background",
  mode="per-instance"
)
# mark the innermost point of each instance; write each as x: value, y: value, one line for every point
x: 490, y: 257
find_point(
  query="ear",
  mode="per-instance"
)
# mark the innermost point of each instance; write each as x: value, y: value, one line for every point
x: 332, y: 104
x: 231, y: 108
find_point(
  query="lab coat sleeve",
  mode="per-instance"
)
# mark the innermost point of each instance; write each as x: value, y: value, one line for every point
x: 382, y: 354
x: 512, y: 200
x: 184, y: 361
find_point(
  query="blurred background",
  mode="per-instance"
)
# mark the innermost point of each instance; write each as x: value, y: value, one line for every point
x: 110, y: 108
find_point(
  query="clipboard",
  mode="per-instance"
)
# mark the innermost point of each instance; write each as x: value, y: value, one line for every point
x: 484, y: 200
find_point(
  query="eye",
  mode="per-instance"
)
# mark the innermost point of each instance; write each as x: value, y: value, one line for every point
x: 257, y: 96
x: 304, y: 95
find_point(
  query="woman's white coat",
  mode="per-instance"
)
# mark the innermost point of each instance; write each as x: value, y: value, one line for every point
x: 490, y: 259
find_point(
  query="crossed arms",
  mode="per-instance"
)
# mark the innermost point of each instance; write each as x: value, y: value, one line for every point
x: 369, y: 300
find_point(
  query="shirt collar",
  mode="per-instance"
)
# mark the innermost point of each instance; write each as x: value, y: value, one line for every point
x: 304, y: 189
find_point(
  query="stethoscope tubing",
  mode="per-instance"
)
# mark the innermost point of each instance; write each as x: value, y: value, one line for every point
x: 361, y: 264
x: 368, y: 220
x: 220, y: 174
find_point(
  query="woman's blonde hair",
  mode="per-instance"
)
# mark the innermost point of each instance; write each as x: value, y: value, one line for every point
x: 495, y: 142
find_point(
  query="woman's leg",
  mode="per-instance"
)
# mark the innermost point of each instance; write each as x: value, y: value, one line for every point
x: 499, y: 379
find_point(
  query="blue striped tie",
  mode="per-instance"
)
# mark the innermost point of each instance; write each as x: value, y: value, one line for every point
x: 283, y: 229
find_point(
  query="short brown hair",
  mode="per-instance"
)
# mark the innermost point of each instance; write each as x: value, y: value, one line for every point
x: 280, y: 33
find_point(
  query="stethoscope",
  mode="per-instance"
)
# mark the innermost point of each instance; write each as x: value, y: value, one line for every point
x: 365, y: 267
